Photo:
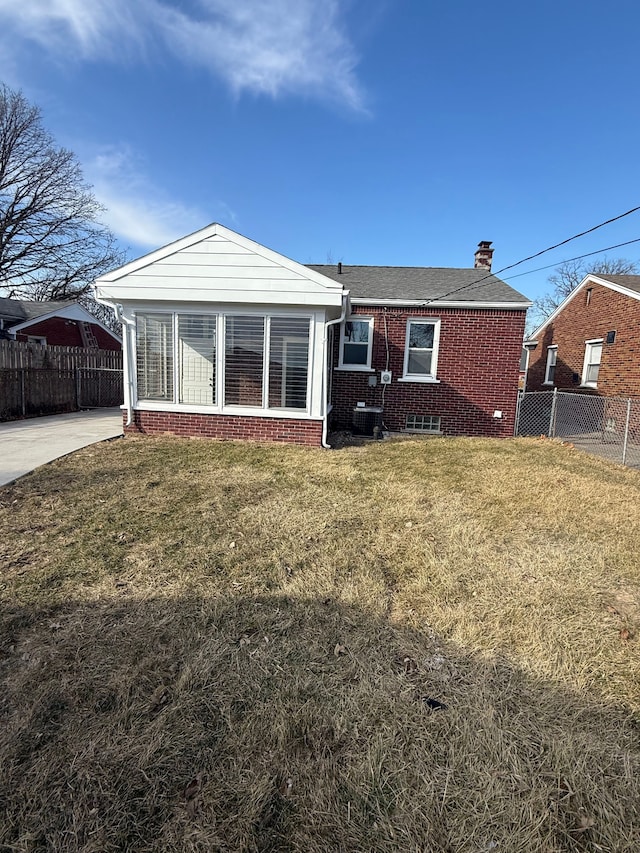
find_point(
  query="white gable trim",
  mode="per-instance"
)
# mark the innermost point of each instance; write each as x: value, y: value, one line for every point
x: 588, y: 279
x: 70, y: 312
x: 217, y: 230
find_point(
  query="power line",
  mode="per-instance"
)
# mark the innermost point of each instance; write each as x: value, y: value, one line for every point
x: 569, y: 239
x: 569, y: 260
x: 535, y: 255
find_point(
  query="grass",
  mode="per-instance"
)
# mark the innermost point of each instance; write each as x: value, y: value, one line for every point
x: 232, y: 647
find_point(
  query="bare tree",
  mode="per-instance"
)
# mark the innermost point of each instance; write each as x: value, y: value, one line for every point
x: 567, y: 277
x: 52, y: 242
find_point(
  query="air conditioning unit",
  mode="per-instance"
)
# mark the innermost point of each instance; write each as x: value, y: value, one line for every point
x: 385, y: 377
x: 365, y: 418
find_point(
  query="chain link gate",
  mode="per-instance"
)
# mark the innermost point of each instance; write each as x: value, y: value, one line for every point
x: 606, y: 426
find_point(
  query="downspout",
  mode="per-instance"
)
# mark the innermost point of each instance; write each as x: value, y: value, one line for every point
x: 325, y: 403
x: 126, y: 339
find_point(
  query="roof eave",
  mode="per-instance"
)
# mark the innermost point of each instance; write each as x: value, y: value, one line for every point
x: 439, y: 303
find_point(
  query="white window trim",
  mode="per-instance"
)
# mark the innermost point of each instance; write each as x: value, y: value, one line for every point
x: 550, y: 349
x: 587, y: 347
x: 422, y: 377
x: 357, y: 318
x: 220, y: 408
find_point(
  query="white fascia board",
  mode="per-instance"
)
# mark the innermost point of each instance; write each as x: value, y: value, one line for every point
x: 178, y: 296
x: 217, y: 230
x: 421, y: 303
x: 588, y: 279
x: 71, y: 312
x: 613, y: 286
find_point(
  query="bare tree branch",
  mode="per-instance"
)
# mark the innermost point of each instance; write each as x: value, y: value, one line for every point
x: 567, y: 277
x: 52, y: 242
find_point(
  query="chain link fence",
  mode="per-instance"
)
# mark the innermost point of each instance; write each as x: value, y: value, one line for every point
x: 607, y: 426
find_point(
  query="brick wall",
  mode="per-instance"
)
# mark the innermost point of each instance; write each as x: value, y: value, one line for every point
x: 65, y: 333
x: 478, y: 365
x: 289, y: 430
x: 582, y: 320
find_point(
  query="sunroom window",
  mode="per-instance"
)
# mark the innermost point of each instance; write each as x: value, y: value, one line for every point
x: 197, y: 354
x: 154, y: 337
x: 263, y: 359
x: 288, y: 362
x: 243, y: 361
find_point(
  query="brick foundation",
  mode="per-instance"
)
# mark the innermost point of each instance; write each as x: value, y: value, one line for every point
x: 287, y: 430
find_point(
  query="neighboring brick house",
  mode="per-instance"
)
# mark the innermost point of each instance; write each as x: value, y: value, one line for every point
x: 65, y: 324
x: 226, y: 338
x: 591, y: 342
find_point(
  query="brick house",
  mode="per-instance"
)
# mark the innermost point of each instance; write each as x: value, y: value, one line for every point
x: 591, y: 342
x: 226, y: 338
x: 65, y: 324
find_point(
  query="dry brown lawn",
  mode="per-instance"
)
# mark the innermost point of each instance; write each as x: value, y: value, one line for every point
x: 232, y: 647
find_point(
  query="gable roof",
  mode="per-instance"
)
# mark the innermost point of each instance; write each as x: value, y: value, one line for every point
x: 21, y: 309
x: 217, y: 263
x: 422, y: 284
x: 627, y: 285
x: 629, y: 282
x: 35, y: 312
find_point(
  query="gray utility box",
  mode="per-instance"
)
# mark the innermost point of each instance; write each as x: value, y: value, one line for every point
x: 365, y: 418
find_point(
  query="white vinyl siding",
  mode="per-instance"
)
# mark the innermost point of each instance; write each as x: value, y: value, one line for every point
x: 421, y: 350
x: 154, y: 335
x: 356, y: 343
x: 550, y: 370
x: 591, y: 366
x: 227, y: 270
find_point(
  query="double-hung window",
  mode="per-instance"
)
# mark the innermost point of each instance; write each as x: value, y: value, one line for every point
x: 592, y: 359
x: 421, y: 350
x: 356, y: 342
x: 550, y: 371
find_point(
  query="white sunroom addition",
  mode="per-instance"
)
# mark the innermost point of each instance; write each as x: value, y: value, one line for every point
x: 218, y: 324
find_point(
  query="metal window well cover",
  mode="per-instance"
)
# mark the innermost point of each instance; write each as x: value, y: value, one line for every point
x: 366, y: 418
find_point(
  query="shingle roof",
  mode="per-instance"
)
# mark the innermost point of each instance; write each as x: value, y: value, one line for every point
x: 21, y: 310
x: 631, y: 282
x: 417, y: 283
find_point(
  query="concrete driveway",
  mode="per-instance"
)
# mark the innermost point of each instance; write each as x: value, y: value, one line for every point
x: 27, y: 444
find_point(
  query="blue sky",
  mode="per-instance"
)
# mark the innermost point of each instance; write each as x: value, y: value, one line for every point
x: 368, y: 131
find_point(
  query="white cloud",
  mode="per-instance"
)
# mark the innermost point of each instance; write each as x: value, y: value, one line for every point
x: 88, y: 28
x: 137, y: 211
x: 268, y: 47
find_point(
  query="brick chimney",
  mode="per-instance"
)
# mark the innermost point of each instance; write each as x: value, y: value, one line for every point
x: 483, y: 256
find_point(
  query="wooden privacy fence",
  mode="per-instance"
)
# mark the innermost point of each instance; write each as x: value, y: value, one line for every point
x: 14, y: 354
x: 30, y: 391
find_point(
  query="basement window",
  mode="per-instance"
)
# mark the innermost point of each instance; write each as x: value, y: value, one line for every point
x: 423, y: 423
